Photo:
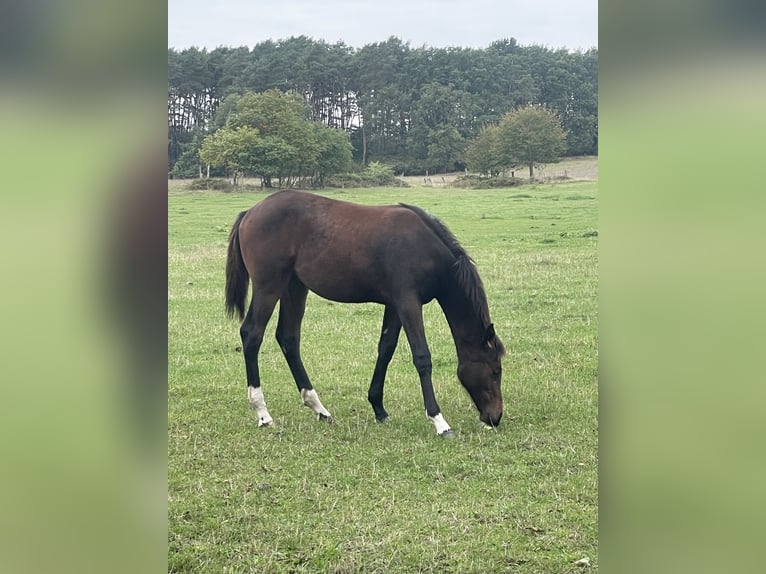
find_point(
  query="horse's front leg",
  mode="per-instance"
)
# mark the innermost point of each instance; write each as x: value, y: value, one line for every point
x: 389, y: 338
x: 412, y: 320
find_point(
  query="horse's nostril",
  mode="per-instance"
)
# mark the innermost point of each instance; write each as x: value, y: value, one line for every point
x: 491, y: 420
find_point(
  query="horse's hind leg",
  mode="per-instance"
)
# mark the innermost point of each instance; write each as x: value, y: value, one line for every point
x: 389, y: 337
x: 291, y: 308
x: 251, y: 331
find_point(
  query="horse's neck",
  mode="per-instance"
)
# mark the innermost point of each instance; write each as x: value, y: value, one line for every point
x: 466, y: 326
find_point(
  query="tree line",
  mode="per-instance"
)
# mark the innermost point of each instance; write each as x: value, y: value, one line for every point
x: 415, y: 109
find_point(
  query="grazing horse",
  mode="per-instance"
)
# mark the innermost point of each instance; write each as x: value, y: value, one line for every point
x: 398, y: 256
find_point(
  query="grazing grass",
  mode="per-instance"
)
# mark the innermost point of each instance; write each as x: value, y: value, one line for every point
x: 356, y: 496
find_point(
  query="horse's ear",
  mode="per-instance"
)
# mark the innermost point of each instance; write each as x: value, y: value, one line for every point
x: 489, y: 336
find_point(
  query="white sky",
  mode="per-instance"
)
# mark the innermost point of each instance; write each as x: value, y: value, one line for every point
x: 571, y: 24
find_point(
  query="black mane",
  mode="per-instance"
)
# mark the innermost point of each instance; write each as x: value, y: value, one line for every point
x: 464, y: 267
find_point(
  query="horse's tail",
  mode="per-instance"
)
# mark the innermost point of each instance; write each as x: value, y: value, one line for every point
x: 236, y: 274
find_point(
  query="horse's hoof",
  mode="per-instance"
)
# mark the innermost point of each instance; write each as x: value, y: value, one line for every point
x: 267, y: 424
x: 321, y: 417
x: 384, y: 420
x: 449, y: 433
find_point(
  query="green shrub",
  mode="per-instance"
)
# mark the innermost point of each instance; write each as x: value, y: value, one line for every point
x: 376, y: 174
x: 478, y: 182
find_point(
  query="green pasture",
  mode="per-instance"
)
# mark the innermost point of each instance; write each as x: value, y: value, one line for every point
x: 357, y: 496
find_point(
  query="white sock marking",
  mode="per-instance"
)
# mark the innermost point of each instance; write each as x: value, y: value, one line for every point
x: 258, y: 403
x: 439, y: 422
x: 311, y: 400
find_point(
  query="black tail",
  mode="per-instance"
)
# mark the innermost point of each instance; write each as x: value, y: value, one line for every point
x: 236, y: 274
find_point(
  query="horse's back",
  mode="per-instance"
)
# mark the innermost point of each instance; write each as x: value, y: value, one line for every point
x: 342, y: 251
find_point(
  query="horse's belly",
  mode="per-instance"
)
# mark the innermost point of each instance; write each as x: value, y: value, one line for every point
x: 344, y: 288
x: 347, y: 295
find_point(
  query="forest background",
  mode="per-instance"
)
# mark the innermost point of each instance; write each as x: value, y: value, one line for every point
x: 415, y: 109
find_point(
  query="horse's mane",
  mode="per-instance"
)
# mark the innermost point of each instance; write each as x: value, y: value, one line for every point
x: 464, y: 267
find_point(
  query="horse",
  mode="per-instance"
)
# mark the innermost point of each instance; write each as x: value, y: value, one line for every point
x: 398, y: 256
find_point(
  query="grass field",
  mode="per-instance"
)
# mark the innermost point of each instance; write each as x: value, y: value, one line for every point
x: 356, y: 496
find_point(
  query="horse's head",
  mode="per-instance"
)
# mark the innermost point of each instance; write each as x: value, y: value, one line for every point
x: 479, y: 371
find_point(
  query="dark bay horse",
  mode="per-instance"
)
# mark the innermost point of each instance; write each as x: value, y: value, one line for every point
x: 398, y: 256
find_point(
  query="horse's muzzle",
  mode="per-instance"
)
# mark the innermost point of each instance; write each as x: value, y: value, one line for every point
x: 491, y: 419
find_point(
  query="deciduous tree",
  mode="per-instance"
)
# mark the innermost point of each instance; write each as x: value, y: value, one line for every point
x: 531, y: 136
x: 483, y: 154
x: 269, y: 135
x: 234, y: 149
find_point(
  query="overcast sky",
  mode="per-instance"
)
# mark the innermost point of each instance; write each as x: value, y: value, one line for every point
x: 571, y: 24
